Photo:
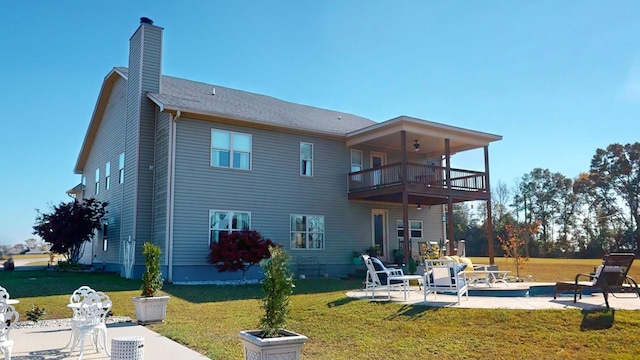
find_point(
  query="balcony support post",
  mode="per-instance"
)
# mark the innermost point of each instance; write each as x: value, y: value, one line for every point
x: 450, y: 227
x: 489, y: 214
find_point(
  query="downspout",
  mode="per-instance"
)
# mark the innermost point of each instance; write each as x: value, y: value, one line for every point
x: 170, y: 190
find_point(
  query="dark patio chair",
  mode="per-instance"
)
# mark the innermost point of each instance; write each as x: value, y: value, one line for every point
x: 610, y: 278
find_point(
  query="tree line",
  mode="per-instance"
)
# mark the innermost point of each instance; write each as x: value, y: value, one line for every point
x: 582, y: 217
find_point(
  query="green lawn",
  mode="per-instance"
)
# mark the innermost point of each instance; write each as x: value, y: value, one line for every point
x: 208, y: 318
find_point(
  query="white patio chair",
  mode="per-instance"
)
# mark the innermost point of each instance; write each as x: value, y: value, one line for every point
x: 444, y: 276
x: 90, y: 321
x: 379, y: 276
x: 4, y: 295
x: 8, y: 318
x: 75, y: 300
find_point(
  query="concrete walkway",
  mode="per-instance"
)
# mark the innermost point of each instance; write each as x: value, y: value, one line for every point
x: 46, y: 343
x: 501, y: 301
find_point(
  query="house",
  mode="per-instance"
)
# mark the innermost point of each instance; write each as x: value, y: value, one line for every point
x: 179, y: 161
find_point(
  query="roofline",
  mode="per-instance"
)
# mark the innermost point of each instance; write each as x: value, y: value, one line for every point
x: 98, y: 111
x: 400, y: 120
x: 256, y: 123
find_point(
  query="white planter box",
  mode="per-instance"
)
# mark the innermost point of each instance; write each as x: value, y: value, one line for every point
x: 151, y: 310
x: 287, y: 347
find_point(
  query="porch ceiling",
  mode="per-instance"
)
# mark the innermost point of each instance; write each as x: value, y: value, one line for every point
x: 430, y: 136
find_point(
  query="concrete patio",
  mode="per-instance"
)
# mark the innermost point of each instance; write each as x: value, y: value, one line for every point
x: 46, y: 343
x: 501, y: 296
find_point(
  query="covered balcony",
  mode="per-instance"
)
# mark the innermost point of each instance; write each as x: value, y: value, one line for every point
x: 419, y: 170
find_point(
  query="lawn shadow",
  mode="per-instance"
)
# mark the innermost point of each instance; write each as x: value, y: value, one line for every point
x: 597, y: 319
x: 343, y: 301
x: 412, y: 312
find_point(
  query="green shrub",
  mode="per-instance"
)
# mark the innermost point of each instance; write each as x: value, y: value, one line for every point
x: 152, y: 277
x: 36, y: 313
x: 277, y: 287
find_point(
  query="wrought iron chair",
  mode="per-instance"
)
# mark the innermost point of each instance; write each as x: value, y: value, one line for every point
x: 4, y: 295
x: 8, y: 318
x: 92, y: 313
x: 75, y: 300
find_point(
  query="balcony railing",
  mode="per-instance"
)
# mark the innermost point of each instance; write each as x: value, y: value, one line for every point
x: 428, y: 175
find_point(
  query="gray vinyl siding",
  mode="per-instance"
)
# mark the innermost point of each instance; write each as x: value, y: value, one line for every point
x: 271, y: 191
x: 143, y: 76
x: 149, y: 82
x: 107, y: 147
x: 160, y: 180
x: 131, y: 136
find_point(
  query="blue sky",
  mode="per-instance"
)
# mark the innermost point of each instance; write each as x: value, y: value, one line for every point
x: 557, y: 79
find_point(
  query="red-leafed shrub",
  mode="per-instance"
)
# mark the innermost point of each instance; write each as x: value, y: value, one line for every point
x: 239, y: 250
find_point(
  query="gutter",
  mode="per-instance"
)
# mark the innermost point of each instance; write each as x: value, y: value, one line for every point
x: 170, y: 190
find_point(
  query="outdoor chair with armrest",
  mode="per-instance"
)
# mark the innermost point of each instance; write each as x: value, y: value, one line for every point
x: 8, y: 319
x: 444, y: 276
x: 75, y: 301
x: 378, y: 276
x: 92, y: 313
x: 473, y: 273
x: 610, y: 277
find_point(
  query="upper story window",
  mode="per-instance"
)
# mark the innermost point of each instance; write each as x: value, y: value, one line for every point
x: 227, y: 221
x: 97, y: 181
x: 107, y: 176
x: 356, y: 160
x: 121, y: 168
x: 307, y: 232
x: 230, y: 149
x: 306, y: 159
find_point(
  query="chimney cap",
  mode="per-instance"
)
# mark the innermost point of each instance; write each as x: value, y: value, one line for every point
x: 146, y: 20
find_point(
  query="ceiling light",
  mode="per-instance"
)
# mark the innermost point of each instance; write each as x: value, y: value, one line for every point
x: 416, y: 146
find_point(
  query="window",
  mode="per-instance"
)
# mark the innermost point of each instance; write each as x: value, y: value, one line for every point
x: 230, y: 150
x: 84, y: 185
x: 307, y: 232
x: 107, y: 176
x: 226, y: 221
x: 416, y: 231
x: 306, y: 159
x: 356, y: 160
x: 105, y: 230
x: 97, y: 181
x: 121, y: 169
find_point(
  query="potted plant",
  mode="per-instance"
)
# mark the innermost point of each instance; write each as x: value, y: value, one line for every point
x: 374, y: 250
x: 356, y: 259
x: 398, y: 257
x: 272, y: 339
x: 149, y: 307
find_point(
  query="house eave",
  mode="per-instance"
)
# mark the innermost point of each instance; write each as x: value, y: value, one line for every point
x: 96, y: 117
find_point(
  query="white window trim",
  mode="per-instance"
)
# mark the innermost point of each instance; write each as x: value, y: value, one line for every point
x: 230, y: 214
x: 97, y: 183
x: 121, y: 168
x: 105, y: 236
x: 324, y: 233
x: 107, y: 175
x: 398, y: 228
x: 231, y: 151
x: 309, y: 160
x: 361, y: 160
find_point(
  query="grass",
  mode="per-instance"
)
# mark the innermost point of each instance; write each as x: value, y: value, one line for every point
x: 208, y: 318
